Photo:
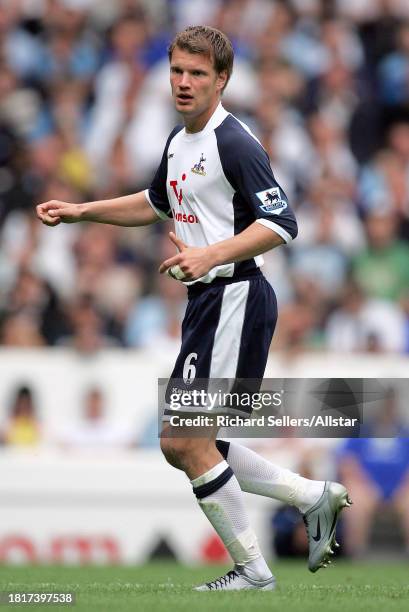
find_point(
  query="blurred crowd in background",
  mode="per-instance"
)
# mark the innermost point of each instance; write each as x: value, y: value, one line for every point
x: 85, y: 110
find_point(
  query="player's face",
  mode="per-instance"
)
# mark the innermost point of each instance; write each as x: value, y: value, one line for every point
x: 196, y: 86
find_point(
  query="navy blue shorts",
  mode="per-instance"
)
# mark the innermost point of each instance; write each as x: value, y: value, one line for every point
x: 226, y: 333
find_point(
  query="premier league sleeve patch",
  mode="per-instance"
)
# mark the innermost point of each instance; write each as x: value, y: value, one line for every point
x: 271, y: 202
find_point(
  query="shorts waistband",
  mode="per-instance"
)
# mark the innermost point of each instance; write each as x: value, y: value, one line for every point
x: 221, y: 281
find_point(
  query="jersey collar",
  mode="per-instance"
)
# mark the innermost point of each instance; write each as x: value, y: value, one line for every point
x: 215, y: 120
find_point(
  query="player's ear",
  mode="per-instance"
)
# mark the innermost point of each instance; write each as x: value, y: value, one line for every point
x: 221, y: 79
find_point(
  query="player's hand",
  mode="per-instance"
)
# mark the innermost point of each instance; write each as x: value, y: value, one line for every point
x: 194, y: 262
x: 54, y: 212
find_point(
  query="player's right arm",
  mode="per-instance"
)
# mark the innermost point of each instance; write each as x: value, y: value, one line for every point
x: 130, y: 211
x: 142, y: 208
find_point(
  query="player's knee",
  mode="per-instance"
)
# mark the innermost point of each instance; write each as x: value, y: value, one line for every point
x: 177, y: 451
x: 171, y: 449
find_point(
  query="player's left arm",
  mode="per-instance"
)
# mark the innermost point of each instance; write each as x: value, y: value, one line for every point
x: 254, y: 240
x: 197, y: 261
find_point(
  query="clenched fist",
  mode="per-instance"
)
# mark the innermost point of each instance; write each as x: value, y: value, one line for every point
x: 190, y: 263
x: 54, y: 212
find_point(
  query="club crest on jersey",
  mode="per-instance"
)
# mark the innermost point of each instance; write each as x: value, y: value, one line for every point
x: 199, y: 167
x: 271, y: 201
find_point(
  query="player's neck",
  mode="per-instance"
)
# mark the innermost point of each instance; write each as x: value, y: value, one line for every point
x: 197, y: 124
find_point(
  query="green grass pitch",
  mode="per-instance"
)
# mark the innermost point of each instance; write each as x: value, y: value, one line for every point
x: 168, y: 587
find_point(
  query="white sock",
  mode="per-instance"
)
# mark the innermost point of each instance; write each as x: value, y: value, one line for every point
x: 221, y: 499
x: 258, y: 475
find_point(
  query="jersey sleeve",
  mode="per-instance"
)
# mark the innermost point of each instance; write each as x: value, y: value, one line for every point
x: 246, y: 166
x: 157, y: 195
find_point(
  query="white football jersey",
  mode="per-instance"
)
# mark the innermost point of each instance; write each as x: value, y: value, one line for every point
x: 215, y: 183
